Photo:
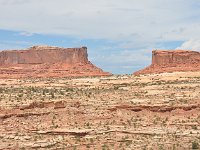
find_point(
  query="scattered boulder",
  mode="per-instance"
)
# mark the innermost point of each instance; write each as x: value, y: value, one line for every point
x: 59, y: 104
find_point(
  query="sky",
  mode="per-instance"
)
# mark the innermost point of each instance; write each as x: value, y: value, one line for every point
x: 120, y: 34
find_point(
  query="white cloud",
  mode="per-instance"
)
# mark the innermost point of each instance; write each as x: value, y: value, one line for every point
x: 26, y: 33
x: 124, y: 61
x: 10, y: 45
x: 147, y: 21
x: 190, y: 45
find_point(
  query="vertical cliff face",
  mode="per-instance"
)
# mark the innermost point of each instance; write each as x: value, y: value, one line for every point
x: 44, y: 54
x: 47, y: 61
x: 172, y: 60
x: 175, y: 57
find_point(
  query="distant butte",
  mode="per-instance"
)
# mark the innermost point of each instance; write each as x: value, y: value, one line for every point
x: 47, y: 61
x: 172, y: 61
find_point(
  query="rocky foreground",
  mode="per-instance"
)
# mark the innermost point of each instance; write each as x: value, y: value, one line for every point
x: 47, y: 61
x: 117, y: 112
x: 172, y: 61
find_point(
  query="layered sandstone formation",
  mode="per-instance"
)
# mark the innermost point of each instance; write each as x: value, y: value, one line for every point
x: 172, y: 61
x: 47, y: 61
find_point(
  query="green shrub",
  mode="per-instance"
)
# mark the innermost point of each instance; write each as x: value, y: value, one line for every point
x: 195, y: 145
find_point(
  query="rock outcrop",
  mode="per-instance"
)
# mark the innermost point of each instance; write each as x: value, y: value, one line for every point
x: 47, y: 61
x: 44, y: 54
x: 172, y: 61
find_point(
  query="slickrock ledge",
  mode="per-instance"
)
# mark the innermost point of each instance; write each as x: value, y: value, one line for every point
x: 172, y: 61
x: 47, y: 61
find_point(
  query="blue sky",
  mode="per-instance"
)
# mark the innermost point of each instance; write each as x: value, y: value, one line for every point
x: 119, y: 34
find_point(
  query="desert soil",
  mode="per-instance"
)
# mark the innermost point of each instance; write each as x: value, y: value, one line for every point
x: 158, y: 112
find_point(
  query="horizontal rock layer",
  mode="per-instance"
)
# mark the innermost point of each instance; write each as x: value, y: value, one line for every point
x: 172, y: 61
x: 47, y: 61
x: 44, y: 54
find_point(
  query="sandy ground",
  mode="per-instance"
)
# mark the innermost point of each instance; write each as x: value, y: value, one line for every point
x: 160, y: 111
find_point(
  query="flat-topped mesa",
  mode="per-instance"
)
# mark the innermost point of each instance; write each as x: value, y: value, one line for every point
x: 47, y: 61
x: 44, y: 54
x: 172, y: 61
x: 174, y: 57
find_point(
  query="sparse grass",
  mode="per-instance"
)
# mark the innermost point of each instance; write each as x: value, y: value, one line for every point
x: 195, y: 145
x: 119, y: 128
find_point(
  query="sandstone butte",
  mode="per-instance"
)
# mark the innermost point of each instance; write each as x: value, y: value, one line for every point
x: 47, y: 61
x: 172, y: 61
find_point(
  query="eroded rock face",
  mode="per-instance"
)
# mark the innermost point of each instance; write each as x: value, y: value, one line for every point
x: 44, y: 54
x: 172, y: 61
x: 47, y: 61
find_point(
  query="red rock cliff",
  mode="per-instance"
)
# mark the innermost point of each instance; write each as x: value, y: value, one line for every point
x: 172, y: 61
x: 44, y: 54
x: 47, y: 61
